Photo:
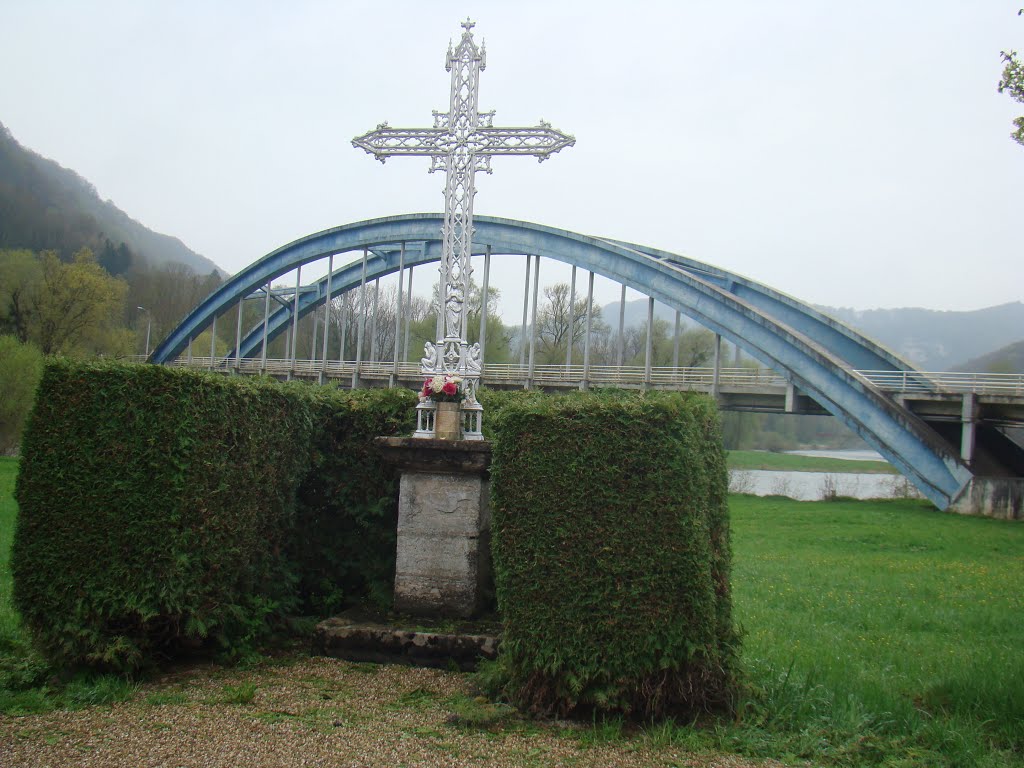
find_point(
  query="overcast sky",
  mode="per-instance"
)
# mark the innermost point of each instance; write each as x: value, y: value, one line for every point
x: 850, y: 154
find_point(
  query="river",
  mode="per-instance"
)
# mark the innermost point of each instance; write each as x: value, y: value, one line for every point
x: 814, y: 486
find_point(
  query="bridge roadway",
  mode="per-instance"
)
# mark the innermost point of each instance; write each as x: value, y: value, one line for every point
x: 955, y: 404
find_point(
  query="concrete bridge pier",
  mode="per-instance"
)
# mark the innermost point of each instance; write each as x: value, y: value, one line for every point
x: 998, y: 497
x: 968, y: 427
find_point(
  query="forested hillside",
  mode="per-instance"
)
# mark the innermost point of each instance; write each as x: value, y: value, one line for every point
x: 935, y: 340
x: 46, y: 207
x: 1008, y: 359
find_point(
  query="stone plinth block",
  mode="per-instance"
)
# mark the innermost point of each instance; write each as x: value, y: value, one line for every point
x: 443, y: 565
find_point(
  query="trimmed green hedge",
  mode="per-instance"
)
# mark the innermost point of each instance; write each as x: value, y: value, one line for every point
x: 611, y: 549
x: 154, y: 505
x: 345, y: 538
x: 162, y: 508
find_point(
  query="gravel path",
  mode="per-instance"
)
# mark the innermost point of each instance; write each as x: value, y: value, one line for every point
x: 318, y: 712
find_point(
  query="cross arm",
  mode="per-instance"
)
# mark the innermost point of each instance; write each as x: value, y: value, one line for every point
x: 541, y: 141
x: 384, y: 142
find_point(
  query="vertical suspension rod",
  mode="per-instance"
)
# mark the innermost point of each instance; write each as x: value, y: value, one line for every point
x: 572, y: 321
x: 328, y: 303
x: 266, y: 319
x: 533, y: 319
x: 526, y: 308
x: 398, y: 313
x: 484, y: 289
x: 362, y: 322
x: 295, y: 321
x: 586, y: 336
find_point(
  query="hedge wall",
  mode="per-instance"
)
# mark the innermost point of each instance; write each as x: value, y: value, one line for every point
x: 611, y: 549
x: 161, y: 508
x: 154, y: 505
x: 344, y: 543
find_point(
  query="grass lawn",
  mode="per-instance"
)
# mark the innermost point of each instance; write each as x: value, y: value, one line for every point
x: 879, y: 629
x: 10, y: 628
x: 876, y: 633
x: 787, y: 462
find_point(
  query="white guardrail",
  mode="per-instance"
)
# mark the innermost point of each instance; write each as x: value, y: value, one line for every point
x: 901, y: 382
x: 1009, y: 384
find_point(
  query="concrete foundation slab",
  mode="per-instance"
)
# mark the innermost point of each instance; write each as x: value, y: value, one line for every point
x: 998, y: 497
x: 356, y: 636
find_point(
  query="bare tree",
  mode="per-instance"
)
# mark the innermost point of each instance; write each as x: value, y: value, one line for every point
x: 696, y: 345
x: 557, y: 326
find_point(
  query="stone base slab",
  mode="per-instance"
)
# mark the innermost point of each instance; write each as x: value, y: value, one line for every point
x: 358, y: 639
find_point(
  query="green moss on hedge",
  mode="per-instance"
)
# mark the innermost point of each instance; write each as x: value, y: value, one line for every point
x: 611, y: 550
x: 154, y: 506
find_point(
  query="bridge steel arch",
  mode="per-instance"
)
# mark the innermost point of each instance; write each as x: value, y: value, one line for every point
x: 818, y: 355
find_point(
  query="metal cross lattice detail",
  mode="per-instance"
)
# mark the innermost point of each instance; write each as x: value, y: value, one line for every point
x: 462, y: 142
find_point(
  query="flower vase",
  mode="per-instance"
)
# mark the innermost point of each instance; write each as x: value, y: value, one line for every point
x: 448, y: 421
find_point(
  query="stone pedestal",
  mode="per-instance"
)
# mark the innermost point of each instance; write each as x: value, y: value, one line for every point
x: 443, y: 563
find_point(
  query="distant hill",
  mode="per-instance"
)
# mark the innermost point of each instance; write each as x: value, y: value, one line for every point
x: 932, y: 340
x: 1008, y: 359
x: 44, y: 206
x: 936, y: 340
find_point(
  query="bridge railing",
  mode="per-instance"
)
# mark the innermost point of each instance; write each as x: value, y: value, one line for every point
x: 504, y: 373
x: 630, y: 376
x: 511, y: 374
x: 910, y: 382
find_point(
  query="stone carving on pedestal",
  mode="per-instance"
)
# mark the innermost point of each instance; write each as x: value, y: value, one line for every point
x: 444, y: 522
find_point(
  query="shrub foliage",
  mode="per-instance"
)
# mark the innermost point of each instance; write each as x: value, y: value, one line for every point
x: 611, y: 550
x: 21, y: 365
x: 158, y: 508
x: 153, y: 507
x: 345, y: 537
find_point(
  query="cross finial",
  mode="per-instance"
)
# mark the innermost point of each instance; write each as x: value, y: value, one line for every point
x: 468, y: 25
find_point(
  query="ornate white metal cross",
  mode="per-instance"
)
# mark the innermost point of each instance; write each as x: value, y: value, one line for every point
x: 462, y: 142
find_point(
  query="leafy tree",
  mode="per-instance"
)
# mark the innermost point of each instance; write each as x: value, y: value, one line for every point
x: 498, y: 343
x: 1012, y: 82
x: 21, y: 365
x: 201, y: 343
x: 168, y: 293
x: 696, y: 345
x: 74, y: 305
x: 20, y: 272
x: 62, y: 307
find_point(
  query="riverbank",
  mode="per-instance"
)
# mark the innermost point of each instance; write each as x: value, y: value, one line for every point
x: 821, y: 486
x: 799, y: 462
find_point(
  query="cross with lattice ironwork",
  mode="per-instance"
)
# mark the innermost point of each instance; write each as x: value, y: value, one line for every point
x: 462, y: 142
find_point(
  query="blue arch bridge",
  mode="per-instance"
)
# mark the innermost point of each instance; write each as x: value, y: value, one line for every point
x: 956, y: 437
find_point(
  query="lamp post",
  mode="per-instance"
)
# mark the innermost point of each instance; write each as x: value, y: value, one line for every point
x: 149, y: 327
